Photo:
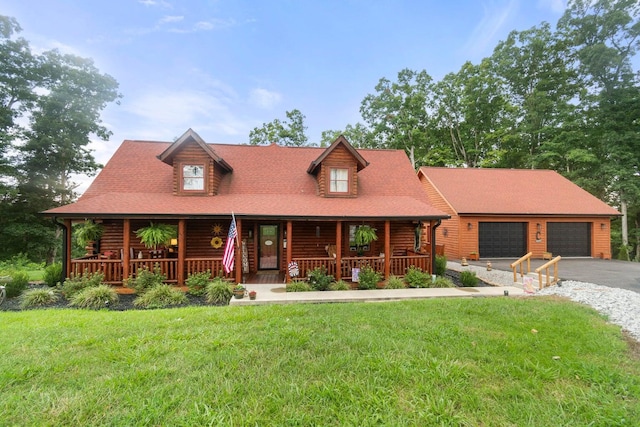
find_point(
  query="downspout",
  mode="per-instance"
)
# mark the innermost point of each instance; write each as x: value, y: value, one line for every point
x: 433, y: 247
x: 65, y: 243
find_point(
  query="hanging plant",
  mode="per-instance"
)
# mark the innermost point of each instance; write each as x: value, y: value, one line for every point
x: 88, y: 231
x: 155, y: 235
x: 364, y: 235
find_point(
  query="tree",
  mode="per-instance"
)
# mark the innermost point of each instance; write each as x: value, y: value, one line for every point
x: 19, y: 76
x: 291, y: 133
x: 604, y: 35
x: 397, y: 114
x: 358, y: 136
x: 538, y: 83
x: 50, y: 106
x: 469, y: 116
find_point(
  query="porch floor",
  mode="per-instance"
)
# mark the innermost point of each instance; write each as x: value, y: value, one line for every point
x: 264, y: 276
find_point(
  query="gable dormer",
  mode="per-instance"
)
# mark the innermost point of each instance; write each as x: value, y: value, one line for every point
x: 197, y: 169
x: 336, y: 169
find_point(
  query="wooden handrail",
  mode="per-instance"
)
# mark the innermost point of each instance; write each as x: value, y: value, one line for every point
x: 545, y: 267
x: 519, y: 262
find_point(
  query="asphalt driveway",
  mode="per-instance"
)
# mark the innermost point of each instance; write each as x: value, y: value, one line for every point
x: 613, y: 273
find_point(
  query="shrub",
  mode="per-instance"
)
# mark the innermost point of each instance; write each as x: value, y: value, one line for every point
x: 52, y: 274
x: 624, y: 253
x: 147, y: 279
x: 75, y: 284
x: 38, y: 298
x: 468, y: 278
x: 218, y: 292
x: 197, y: 282
x: 95, y: 297
x: 18, y: 283
x: 368, y: 278
x: 340, y: 285
x: 394, y: 282
x: 441, y: 265
x: 19, y: 262
x: 416, y: 278
x: 319, y: 279
x: 160, y: 296
x: 442, y: 282
x: 298, y: 287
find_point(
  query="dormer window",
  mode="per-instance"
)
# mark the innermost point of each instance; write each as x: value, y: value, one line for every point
x: 339, y: 180
x: 193, y: 177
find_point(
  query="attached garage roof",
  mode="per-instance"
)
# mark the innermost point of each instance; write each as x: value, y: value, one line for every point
x: 513, y: 192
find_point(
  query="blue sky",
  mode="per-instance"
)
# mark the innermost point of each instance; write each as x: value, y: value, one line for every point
x: 223, y: 67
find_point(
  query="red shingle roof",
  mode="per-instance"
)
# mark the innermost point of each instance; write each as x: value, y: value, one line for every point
x: 266, y: 181
x: 513, y: 192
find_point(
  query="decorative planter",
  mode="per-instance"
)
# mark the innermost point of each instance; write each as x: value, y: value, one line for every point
x: 473, y: 257
x: 238, y: 294
x: 252, y: 295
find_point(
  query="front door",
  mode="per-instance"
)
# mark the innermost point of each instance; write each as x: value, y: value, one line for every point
x: 268, y: 253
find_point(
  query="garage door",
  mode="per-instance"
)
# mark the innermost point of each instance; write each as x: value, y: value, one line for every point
x: 569, y: 238
x: 503, y: 239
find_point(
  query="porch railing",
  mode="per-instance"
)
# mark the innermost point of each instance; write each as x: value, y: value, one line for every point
x: 113, y: 268
x: 398, y: 266
x: 168, y: 267
x: 198, y: 265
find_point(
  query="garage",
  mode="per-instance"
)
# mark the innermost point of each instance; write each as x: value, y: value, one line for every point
x: 503, y: 239
x: 569, y: 238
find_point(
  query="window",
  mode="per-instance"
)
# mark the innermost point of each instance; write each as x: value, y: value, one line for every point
x: 193, y: 177
x: 339, y: 181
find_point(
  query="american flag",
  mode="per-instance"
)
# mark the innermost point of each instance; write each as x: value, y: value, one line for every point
x: 230, y: 247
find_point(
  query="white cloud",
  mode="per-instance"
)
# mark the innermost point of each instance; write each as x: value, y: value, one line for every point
x: 164, y: 114
x: 208, y: 25
x: 494, y: 19
x: 263, y: 98
x: 170, y: 18
x: 154, y: 3
x: 556, y: 6
x: 169, y: 24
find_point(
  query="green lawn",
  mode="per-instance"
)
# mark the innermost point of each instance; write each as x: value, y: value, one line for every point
x: 458, y: 362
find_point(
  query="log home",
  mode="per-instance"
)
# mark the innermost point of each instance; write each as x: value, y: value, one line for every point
x: 298, y: 205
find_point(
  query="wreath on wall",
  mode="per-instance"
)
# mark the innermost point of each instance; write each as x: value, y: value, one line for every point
x: 216, y: 229
x: 216, y: 242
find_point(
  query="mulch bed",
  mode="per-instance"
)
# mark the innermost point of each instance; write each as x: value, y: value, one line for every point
x: 125, y: 301
x: 454, y: 276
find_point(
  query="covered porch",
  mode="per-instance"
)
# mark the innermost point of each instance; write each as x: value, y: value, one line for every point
x: 265, y: 249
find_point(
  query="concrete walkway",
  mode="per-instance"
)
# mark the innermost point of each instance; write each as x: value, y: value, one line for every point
x: 276, y: 294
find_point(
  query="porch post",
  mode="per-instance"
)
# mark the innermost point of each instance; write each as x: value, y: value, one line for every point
x: 289, y: 234
x: 67, y: 249
x: 126, y: 252
x: 431, y: 233
x: 387, y: 249
x: 182, y: 250
x: 238, y: 251
x: 338, y: 250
